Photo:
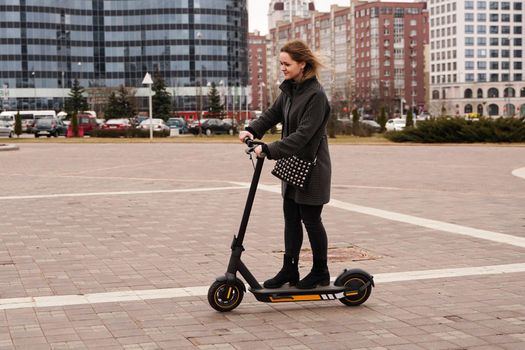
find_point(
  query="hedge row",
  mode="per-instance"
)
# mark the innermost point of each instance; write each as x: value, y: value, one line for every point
x: 130, y: 133
x: 459, y: 130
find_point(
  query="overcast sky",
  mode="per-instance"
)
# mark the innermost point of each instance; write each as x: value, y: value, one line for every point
x: 258, y: 11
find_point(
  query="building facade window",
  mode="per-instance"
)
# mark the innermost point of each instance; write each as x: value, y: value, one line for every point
x: 106, y: 43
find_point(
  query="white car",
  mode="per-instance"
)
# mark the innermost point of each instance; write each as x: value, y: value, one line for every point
x: 158, y: 124
x: 395, y: 124
x: 6, y: 130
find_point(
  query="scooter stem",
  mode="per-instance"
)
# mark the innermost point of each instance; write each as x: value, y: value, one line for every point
x: 249, y: 202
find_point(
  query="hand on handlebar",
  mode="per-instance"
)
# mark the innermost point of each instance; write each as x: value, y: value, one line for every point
x: 259, y: 151
x: 243, y: 135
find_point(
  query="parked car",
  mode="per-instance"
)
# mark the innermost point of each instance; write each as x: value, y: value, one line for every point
x: 213, y: 126
x: 424, y: 116
x: 117, y: 124
x: 6, y: 130
x: 87, y: 122
x: 217, y: 126
x: 395, y: 124
x: 179, y: 124
x: 157, y: 123
x: 139, y: 119
x: 372, y: 124
x: 49, y: 127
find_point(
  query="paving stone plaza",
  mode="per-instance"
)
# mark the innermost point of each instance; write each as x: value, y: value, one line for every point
x: 113, y: 246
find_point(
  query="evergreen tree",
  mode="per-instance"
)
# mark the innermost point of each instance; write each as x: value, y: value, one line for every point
x: 161, y: 100
x: 126, y: 100
x: 332, y: 124
x: 382, y: 119
x: 76, y: 102
x: 74, y: 124
x: 214, y: 100
x: 111, y: 110
x: 18, y: 124
x: 410, y: 119
x: 356, y: 129
x: 121, y: 104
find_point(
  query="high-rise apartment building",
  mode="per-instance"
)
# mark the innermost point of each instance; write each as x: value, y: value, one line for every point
x: 390, y: 40
x: 286, y: 10
x: 477, y: 57
x: 257, y: 71
x: 46, y: 44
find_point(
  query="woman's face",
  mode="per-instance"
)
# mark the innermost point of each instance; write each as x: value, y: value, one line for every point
x: 291, y: 69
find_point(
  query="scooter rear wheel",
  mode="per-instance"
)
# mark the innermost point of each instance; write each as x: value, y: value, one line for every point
x: 357, y: 293
x: 224, y: 297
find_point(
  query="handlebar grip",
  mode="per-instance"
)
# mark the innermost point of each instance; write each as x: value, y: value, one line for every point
x: 248, y: 141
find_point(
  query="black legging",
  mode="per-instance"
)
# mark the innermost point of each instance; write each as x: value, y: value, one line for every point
x: 310, y: 215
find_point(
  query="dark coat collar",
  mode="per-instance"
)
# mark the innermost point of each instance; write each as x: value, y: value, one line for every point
x: 291, y: 88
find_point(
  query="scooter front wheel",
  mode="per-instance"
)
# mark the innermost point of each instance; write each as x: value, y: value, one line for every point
x: 224, y: 297
x: 359, y: 289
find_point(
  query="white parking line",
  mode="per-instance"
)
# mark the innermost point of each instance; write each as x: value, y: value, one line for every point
x: 414, y: 220
x: 432, y: 224
x: 92, y: 194
x: 201, y: 291
x: 519, y: 173
x: 105, y: 178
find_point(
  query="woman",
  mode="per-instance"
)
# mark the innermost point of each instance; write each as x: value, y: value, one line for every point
x: 303, y: 110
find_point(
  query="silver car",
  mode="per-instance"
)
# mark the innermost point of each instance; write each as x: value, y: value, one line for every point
x: 6, y: 130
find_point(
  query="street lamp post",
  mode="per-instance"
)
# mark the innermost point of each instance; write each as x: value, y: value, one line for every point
x: 223, y: 97
x: 208, y: 87
x: 34, y: 87
x: 199, y: 92
x: 148, y: 81
x: 79, y: 64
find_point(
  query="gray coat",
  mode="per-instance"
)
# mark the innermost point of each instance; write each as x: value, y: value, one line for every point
x: 303, y: 110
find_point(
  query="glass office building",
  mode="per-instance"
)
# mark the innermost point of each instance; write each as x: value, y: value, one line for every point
x: 46, y: 44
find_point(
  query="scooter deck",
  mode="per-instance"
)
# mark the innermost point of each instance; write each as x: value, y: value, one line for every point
x: 287, y: 293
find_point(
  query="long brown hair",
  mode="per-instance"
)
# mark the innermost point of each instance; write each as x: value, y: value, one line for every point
x: 300, y: 52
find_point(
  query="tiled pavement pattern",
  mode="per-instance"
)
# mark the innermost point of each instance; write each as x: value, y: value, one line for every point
x: 119, y: 242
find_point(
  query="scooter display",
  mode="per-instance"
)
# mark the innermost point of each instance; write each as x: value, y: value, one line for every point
x: 352, y: 287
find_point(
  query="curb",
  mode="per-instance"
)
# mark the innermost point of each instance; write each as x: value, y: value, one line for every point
x: 5, y: 147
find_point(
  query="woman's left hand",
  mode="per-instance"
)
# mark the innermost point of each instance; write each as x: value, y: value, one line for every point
x: 259, y: 152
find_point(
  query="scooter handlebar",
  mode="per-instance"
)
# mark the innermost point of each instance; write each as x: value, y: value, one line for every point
x: 251, y: 144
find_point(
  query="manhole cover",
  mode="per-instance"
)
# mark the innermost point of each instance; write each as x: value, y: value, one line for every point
x: 340, y: 254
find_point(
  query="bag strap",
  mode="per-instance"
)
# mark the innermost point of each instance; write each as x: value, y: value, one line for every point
x: 323, y: 125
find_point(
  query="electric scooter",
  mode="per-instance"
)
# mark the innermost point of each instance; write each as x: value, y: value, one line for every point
x: 352, y: 287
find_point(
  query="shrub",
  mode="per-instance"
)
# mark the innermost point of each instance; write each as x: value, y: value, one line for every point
x: 382, y: 119
x: 130, y: 133
x: 18, y: 124
x: 409, y: 123
x: 355, y: 123
x: 459, y: 130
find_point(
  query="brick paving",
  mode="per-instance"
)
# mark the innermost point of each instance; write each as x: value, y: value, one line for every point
x: 108, y: 243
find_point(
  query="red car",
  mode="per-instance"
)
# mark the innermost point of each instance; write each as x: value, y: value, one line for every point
x: 117, y: 124
x: 87, y: 122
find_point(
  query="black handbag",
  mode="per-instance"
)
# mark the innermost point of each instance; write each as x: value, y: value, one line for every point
x: 294, y: 171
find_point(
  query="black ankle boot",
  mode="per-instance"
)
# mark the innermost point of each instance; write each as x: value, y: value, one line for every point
x: 289, y: 273
x: 319, y: 276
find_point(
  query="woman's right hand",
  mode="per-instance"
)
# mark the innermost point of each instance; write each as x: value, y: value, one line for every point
x: 245, y: 134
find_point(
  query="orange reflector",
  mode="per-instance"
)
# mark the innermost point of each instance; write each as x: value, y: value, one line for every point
x: 296, y: 298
